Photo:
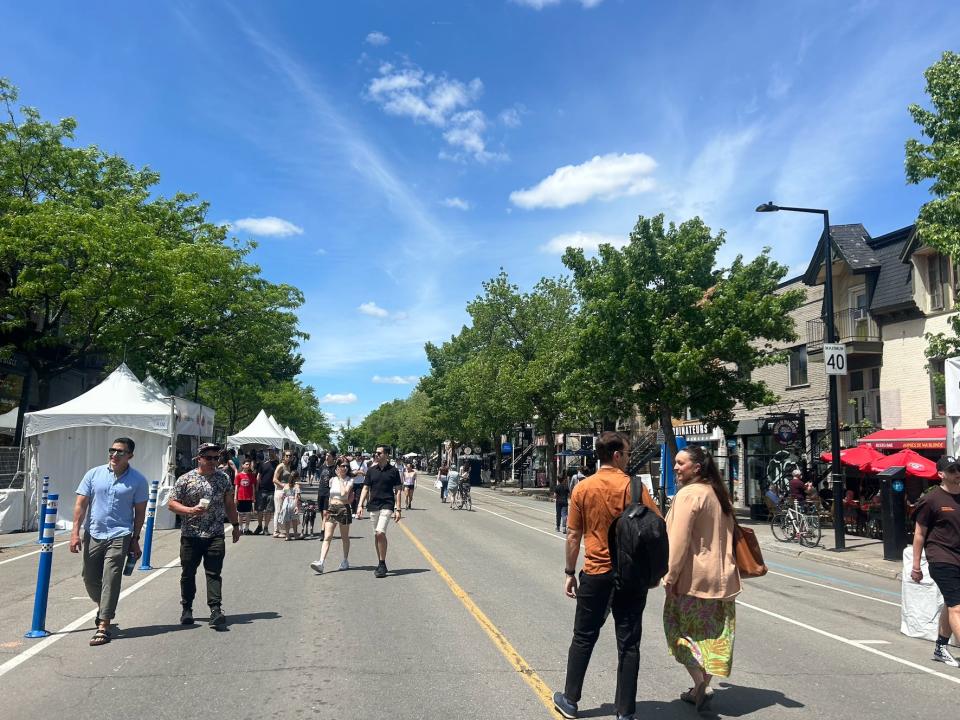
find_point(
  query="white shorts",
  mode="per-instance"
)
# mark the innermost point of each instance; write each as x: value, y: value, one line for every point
x: 380, y: 519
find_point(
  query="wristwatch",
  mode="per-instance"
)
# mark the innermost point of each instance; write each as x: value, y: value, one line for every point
x: 571, y: 573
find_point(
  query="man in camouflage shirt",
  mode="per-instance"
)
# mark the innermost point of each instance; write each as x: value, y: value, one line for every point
x: 203, y: 498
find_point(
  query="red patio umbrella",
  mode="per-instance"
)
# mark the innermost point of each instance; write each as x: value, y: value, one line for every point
x: 857, y: 457
x: 917, y: 465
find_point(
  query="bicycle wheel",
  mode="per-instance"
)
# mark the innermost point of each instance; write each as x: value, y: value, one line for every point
x: 809, y: 530
x: 781, y: 528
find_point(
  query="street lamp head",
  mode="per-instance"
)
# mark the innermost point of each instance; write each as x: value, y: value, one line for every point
x: 768, y: 207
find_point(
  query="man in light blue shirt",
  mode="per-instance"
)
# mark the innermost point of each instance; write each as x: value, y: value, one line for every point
x: 113, y: 499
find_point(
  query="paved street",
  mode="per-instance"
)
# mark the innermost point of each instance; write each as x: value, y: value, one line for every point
x: 470, y: 623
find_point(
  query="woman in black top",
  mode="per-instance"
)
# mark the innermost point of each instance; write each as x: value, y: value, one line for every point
x: 562, y: 497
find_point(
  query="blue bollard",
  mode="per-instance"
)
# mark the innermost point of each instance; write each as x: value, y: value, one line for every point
x: 43, y: 507
x: 43, y: 573
x: 148, y: 531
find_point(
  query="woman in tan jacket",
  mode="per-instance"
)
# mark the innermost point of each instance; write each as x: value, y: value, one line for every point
x: 702, y: 582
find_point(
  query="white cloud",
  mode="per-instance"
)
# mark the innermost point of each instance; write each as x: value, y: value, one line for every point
x: 377, y: 38
x: 395, y: 379
x: 455, y: 202
x: 588, y: 241
x: 373, y: 310
x: 511, y: 116
x: 339, y: 398
x: 266, y: 226
x: 603, y: 176
x: 437, y: 100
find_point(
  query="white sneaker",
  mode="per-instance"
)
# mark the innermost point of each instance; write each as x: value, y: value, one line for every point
x: 317, y: 566
x: 941, y: 654
x: 344, y: 565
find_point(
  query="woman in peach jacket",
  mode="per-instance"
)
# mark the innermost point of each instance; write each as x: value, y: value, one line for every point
x: 702, y: 581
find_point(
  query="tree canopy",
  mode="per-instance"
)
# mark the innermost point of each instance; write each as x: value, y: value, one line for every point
x: 95, y: 264
x: 939, y: 159
x: 663, y: 329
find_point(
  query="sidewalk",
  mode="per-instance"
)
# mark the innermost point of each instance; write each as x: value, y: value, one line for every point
x: 537, y: 493
x: 861, y: 554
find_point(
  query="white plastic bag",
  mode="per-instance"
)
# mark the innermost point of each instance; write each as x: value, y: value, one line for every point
x: 921, y: 603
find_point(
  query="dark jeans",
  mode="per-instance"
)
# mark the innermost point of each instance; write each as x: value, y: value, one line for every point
x: 595, y: 598
x: 561, y: 515
x: 443, y: 489
x: 209, y: 551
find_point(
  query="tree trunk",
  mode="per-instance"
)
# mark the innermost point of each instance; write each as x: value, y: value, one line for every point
x: 496, y: 468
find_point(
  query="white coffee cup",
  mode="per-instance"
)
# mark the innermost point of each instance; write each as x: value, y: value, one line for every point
x: 204, y: 503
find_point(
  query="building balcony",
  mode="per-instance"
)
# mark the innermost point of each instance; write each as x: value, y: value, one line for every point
x: 854, y: 328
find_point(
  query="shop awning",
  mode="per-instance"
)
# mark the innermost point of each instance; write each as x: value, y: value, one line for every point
x: 933, y: 438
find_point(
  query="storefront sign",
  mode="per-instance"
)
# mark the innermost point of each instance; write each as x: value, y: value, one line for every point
x: 785, y: 431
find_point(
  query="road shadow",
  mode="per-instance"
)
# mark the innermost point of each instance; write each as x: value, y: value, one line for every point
x: 151, y: 630
x: 390, y: 573
x: 728, y: 701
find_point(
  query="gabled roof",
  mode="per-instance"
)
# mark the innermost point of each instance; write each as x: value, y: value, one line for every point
x: 894, y: 290
x: 851, y: 243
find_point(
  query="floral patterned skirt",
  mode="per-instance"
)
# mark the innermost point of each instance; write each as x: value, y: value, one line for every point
x: 700, y: 632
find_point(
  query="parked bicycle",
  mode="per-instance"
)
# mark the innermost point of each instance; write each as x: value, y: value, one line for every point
x: 793, y: 524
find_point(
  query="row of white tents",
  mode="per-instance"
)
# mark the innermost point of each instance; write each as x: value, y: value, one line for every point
x: 63, y: 442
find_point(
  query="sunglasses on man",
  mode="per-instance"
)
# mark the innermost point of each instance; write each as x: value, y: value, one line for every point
x: 116, y: 451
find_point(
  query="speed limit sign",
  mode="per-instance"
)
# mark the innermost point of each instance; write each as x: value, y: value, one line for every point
x: 835, y: 358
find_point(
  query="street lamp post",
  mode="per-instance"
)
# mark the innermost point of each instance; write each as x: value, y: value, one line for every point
x: 829, y: 336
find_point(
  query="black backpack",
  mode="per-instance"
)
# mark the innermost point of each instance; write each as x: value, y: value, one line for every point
x: 639, y: 549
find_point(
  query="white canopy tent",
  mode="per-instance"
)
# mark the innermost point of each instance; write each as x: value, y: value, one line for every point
x: 8, y: 421
x: 67, y: 440
x: 261, y: 432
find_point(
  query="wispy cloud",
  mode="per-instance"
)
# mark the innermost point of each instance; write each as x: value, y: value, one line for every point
x: 541, y: 4
x: 377, y: 38
x: 373, y: 310
x: 360, y: 155
x: 455, y: 202
x: 395, y: 379
x: 437, y: 100
x: 338, y: 399
x: 266, y: 226
x: 587, y: 241
x: 512, y: 117
x: 604, y: 176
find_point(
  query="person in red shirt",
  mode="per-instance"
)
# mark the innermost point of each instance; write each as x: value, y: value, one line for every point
x: 245, y: 483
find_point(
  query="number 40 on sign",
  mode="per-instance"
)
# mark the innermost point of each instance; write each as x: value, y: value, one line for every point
x: 835, y: 358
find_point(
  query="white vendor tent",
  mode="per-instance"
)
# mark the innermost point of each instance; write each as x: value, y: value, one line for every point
x: 261, y: 432
x: 193, y: 419
x: 8, y: 421
x: 63, y: 442
x: 293, y: 436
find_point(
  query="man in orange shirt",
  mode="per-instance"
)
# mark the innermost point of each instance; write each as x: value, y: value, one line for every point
x: 594, y: 504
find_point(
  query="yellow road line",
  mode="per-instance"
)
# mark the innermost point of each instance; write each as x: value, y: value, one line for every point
x: 493, y: 632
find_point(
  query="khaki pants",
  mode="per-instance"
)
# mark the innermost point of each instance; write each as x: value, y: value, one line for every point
x: 103, y: 562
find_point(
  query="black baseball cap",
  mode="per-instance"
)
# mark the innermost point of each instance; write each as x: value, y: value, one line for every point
x: 948, y: 463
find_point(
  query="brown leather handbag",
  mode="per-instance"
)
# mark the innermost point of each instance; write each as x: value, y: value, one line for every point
x: 746, y: 552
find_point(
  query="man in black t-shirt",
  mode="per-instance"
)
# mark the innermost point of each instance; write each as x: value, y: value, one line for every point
x: 937, y: 534
x: 265, y: 490
x: 327, y: 472
x: 379, y: 497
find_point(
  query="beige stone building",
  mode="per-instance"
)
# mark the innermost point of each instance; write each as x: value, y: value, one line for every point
x: 889, y: 292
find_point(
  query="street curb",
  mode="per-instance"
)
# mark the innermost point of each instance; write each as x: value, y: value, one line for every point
x: 535, y: 494
x: 825, y: 557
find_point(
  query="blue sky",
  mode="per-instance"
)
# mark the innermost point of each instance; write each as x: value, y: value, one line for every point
x: 390, y: 156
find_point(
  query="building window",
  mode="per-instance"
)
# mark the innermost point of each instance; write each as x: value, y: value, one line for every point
x: 798, y: 366
x: 938, y: 392
x: 937, y: 276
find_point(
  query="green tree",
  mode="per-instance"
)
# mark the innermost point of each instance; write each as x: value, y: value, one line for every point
x: 662, y: 329
x: 91, y: 264
x: 939, y: 160
x: 511, y: 364
x: 296, y: 406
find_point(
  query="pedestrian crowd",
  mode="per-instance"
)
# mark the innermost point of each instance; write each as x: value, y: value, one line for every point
x: 224, y: 488
x: 700, y: 568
